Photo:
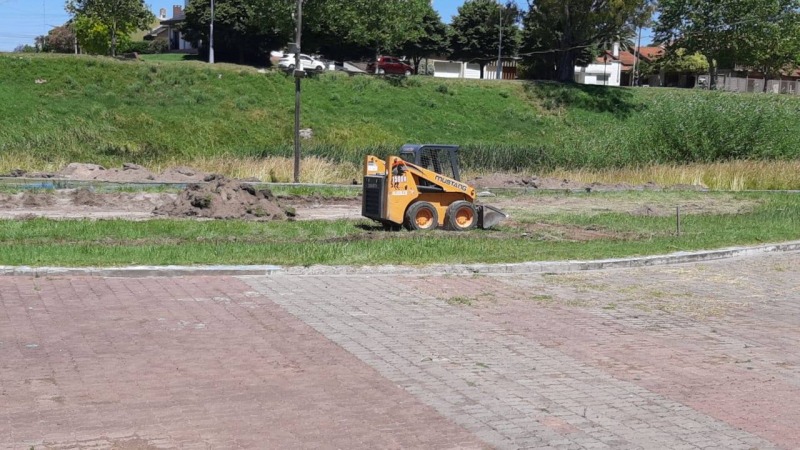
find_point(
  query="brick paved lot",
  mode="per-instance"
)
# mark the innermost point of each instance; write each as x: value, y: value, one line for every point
x: 188, y: 363
x: 692, y: 356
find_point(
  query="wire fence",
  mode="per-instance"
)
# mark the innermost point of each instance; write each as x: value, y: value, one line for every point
x: 742, y: 84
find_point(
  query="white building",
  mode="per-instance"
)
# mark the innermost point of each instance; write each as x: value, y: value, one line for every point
x: 602, y: 74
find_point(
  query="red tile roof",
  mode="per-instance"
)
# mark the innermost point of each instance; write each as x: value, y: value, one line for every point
x: 627, y: 58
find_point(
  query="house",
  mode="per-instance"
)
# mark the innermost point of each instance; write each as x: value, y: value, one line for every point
x: 158, y: 30
x: 606, y: 71
x: 627, y: 60
x: 169, y: 30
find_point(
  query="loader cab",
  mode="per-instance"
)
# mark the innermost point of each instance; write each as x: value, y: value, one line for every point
x: 442, y: 159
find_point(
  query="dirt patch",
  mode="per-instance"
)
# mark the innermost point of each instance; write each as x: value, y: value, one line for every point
x: 221, y: 198
x: 35, y: 199
x: 591, y: 205
x: 81, y: 204
x: 128, y: 173
x: 181, y: 174
x: 85, y: 197
x: 535, y: 182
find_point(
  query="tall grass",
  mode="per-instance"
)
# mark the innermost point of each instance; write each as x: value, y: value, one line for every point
x: 727, y: 176
x: 154, y: 113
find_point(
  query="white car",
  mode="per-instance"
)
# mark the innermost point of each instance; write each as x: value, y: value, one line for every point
x: 309, y: 63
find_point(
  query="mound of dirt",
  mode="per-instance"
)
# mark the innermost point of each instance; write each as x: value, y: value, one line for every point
x: 181, y: 174
x: 221, y: 198
x: 129, y: 173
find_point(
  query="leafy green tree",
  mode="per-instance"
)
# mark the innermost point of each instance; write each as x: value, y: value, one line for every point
x: 558, y: 34
x: 772, y: 37
x: 244, y: 30
x: 476, y: 30
x: 93, y: 36
x: 683, y: 62
x: 711, y: 28
x: 432, y: 38
x: 379, y: 25
x: 119, y: 17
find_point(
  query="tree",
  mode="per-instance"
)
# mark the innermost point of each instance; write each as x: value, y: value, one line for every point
x: 93, y: 36
x: 680, y: 61
x: 772, y: 30
x: 24, y: 48
x: 380, y: 25
x: 244, y: 30
x: 560, y: 33
x: 119, y: 17
x: 60, y: 39
x: 476, y: 30
x: 432, y: 39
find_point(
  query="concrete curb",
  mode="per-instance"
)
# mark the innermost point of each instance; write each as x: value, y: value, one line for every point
x: 138, y: 271
x: 516, y: 268
x: 552, y: 266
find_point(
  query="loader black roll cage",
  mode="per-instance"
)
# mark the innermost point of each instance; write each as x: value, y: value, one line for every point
x: 442, y: 159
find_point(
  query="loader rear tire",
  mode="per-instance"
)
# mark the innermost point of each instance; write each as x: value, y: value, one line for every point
x: 422, y: 216
x: 461, y: 216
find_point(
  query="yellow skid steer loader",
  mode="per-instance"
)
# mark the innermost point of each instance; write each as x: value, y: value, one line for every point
x: 421, y: 190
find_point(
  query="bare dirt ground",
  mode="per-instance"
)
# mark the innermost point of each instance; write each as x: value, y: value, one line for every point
x: 216, y: 197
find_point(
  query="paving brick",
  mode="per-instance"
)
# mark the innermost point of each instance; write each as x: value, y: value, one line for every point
x: 635, y: 358
x: 188, y: 363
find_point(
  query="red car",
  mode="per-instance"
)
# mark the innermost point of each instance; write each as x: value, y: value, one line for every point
x: 390, y: 65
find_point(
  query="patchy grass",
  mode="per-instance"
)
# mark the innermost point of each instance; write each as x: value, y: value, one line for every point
x: 40, y: 242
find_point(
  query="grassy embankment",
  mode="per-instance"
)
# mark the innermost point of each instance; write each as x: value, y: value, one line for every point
x: 234, y: 120
x: 531, y: 237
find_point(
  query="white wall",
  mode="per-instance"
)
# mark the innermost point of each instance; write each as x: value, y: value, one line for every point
x: 599, y: 74
x: 447, y: 69
x: 472, y: 71
x: 458, y: 69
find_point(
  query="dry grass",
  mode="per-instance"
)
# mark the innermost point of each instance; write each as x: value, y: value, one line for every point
x: 274, y: 169
x: 724, y: 176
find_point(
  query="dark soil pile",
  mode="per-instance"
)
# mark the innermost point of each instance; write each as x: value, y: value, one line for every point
x: 221, y: 198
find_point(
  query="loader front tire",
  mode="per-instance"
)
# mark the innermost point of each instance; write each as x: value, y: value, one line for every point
x: 461, y: 216
x: 421, y: 216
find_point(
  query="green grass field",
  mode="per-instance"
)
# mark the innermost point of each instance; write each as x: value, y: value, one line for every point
x: 99, y: 110
x: 531, y: 237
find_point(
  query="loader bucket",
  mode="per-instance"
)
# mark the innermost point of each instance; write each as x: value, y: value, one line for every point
x: 489, y: 216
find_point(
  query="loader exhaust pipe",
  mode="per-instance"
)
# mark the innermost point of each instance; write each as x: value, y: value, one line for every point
x: 489, y: 216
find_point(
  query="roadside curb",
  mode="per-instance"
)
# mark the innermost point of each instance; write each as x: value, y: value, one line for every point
x: 515, y: 268
x: 139, y: 271
x: 552, y: 266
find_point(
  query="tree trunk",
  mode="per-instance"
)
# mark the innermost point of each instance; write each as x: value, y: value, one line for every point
x: 565, y: 67
x: 113, y: 41
x: 377, y: 57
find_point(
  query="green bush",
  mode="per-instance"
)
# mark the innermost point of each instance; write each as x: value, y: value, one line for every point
x: 158, y: 46
x: 141, y: 47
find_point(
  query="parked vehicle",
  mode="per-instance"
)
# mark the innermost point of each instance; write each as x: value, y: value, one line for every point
x: 390, y: 65
x: 309, y: 63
